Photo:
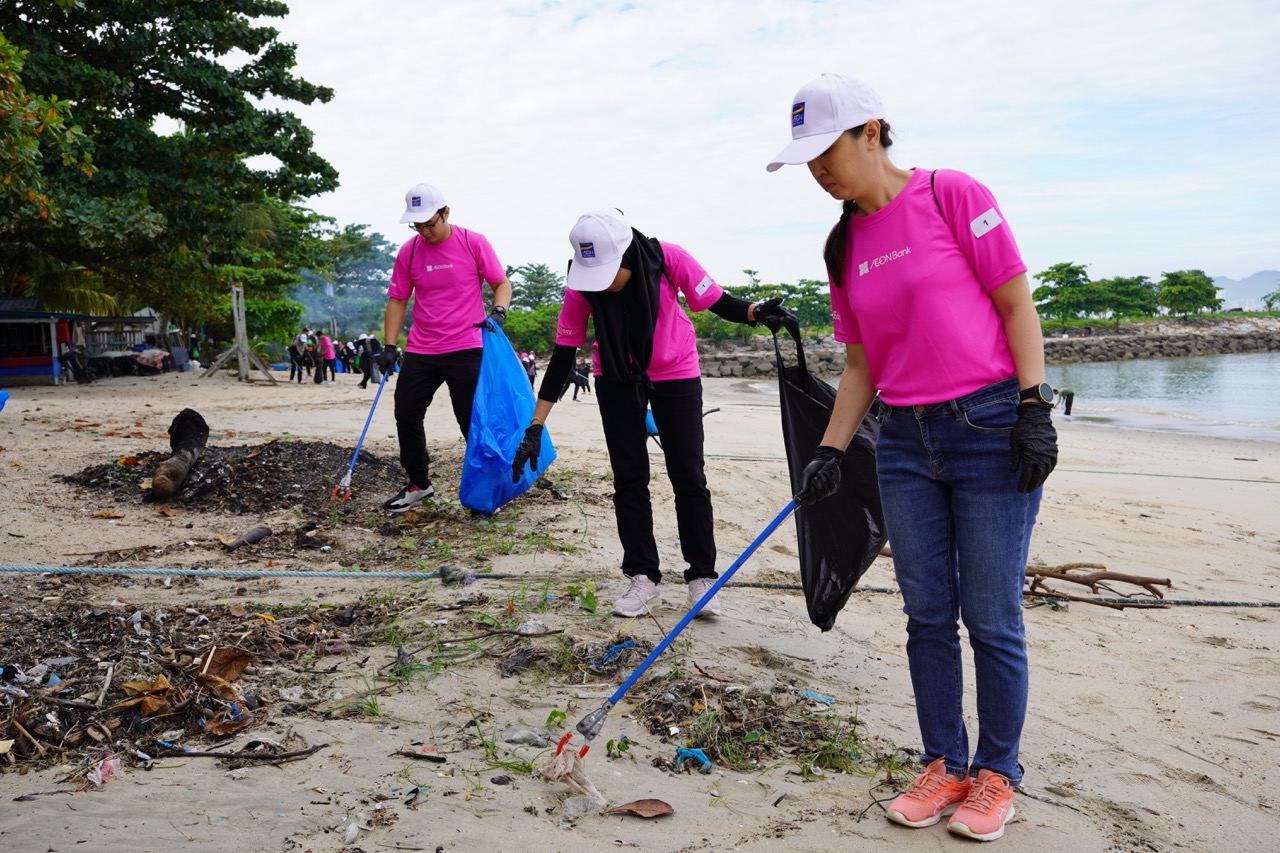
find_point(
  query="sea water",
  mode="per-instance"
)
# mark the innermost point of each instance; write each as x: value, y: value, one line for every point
x: 1236, y: 396
x: 1233, y: 396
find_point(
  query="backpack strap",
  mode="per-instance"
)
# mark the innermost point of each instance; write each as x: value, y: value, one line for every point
x: 934, y: 192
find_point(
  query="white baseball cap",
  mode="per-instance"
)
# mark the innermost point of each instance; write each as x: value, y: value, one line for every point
x: 823, y: 109
x: 421, y: 203
x: 599, y: 239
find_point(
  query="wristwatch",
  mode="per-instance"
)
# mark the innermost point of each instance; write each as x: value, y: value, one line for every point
x: 500, y: 310
x: 1042, y: 393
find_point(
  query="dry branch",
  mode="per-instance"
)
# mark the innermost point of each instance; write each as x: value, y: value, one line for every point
x: 1098, y: 580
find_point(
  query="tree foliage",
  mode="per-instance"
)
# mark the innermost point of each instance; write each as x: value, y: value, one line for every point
x: 1127, y: 297
x: 32, y: 126
x: 1066, y: 292
x: 534, y: 285
x: 344, y: 282
x: 1272, y: 299
x: 170, y: 95
x: 1187, y: 291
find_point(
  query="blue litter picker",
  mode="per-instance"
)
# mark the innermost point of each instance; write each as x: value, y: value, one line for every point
x: 590, y: 725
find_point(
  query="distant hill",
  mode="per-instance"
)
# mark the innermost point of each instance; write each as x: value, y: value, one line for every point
x: 1247, y: 293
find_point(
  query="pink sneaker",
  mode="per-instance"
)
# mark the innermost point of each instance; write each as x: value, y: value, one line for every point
x: 932, y: 795
x: 986, y: 810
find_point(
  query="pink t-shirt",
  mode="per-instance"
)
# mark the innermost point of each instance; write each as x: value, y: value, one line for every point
x: 917, y: 290
x: 444, y: 280
x: 326, y: 347
x: 675, y: 349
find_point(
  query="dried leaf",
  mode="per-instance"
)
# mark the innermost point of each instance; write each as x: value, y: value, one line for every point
x: 168, y: 511
x: 108, y: 513
x: 254, y: 452
x: 145, y: 484
x: 219, y: 687
x: 226, y: 663
x: 159, y: 684
x: 128, y: 460
x: 647, y: 808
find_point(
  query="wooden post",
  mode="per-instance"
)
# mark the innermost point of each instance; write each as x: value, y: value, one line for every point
x: 240, y: 349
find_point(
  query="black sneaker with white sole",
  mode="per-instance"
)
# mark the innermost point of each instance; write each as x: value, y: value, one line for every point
x: 409, y: 497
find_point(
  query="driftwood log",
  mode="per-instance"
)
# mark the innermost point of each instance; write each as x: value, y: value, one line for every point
x: 188, y: 435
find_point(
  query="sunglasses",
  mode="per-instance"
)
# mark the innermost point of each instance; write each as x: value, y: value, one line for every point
x: 431, y: 223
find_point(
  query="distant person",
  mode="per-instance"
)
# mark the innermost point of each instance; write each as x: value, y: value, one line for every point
x: 295, y: 361
x: 645, y: 354
x: 301, y: 341
x: 370, y: 349
x: 442, y: 268
x: 327, y: 371
x: 948, y: 336
x: 531, y: 368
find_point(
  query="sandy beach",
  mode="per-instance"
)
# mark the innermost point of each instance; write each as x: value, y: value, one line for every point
x: 1147, y: 729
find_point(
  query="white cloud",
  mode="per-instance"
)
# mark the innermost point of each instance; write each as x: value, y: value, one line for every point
x: 1131, y: 136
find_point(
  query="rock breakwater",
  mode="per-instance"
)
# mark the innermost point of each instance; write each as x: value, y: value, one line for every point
x: 1196, y: 336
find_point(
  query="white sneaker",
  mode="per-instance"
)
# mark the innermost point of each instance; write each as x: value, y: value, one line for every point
x: 697, y: 588
x: 409, y: 497
x: 635, y: 601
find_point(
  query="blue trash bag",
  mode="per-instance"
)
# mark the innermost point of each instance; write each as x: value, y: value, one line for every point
x: 4, y: 397
x: 500, y: 412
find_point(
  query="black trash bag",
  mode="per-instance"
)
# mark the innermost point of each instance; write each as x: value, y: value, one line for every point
x: 838, y: 537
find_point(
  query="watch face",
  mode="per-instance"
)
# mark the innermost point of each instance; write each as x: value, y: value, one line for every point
x: 1045, y: 392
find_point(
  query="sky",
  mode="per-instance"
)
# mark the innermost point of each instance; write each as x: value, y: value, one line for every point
x: 1132, y: 137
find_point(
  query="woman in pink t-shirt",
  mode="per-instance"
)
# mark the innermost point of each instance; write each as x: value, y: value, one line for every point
x: 930, y: 297
x: 645, y: 354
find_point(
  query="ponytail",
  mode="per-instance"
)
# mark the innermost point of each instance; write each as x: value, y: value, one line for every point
x: 837, y: 241
x: 835, y: 249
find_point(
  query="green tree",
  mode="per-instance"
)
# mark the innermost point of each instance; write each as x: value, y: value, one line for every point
x: 533, y: 285
x: 1126, y: 297
x: 1272, y: 299
x: 172, y: 217
x: 535, y: 329
x: 1066, y: 292
x: 1187, y: 291
x: 33, y: 128
x: 345, y: 278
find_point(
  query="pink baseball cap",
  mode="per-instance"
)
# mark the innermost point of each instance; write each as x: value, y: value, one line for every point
x: 823, y: 109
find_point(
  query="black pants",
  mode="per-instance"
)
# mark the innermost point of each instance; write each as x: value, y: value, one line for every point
x: 420, y: 377
x: 677, y: 411
x: 325, y: 369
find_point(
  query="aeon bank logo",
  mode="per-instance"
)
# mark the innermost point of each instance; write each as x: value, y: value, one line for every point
x: 867, y: 266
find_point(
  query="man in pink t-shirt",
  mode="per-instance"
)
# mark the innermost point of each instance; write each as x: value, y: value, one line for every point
x: 327, y: 370
x: 645, y: 354
x: 443, y: 269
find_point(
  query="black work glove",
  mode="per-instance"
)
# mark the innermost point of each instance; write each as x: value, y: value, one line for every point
x: 387, y: 358
x: 528, y: 451
x: 497, y: 314
x: 1033, y: 446
x: 821, y: 477
x: 772, y: 315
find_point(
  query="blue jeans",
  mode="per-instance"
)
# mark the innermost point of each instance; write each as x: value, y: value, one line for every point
x: 959, y: 530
